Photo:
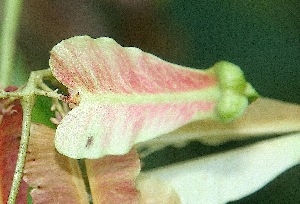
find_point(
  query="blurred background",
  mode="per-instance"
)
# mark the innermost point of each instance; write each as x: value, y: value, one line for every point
x: 261, y: 36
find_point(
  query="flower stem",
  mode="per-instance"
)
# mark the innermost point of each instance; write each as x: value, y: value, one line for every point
x: 27, y: 96
x: 27, y: 105
x: 12, y: 10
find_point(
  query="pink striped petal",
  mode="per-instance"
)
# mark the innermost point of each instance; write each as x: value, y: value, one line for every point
x: 95, y: 130
x: 128, y: 96
x: 103, y: 66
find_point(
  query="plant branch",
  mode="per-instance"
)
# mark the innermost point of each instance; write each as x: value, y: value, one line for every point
x: 27, y: 96
x: 35, y: 80
x: 12, y: 9
x: 27, y: 105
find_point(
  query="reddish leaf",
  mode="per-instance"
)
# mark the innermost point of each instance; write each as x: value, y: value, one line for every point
x: 10, y: 133
x: 112, y: 178
x: 53, y: 177
x: 57, y: 179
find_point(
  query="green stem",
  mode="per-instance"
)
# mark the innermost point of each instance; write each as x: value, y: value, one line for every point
x: 35, y: 80
x: 27, y: 105
x: 28, y: 96
x: 12, y: 9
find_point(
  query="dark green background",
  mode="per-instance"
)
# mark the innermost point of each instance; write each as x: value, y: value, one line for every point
x: 262, y: 37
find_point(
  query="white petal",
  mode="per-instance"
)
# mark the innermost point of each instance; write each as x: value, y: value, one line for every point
x: 221, y: 178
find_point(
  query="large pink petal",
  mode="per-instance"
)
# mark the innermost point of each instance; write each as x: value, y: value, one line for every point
x: 95, y: 130
x: 103, y: 66
x: 127, y: 96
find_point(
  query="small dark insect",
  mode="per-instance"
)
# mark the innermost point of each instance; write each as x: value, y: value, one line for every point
x: 89, y: 142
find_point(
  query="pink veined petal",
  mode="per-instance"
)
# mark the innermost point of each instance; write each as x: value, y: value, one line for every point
x: 103, y: 66
x: 128, y: 96
x: 92, y: 131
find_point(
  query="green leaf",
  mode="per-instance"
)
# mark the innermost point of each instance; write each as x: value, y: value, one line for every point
x: 41, y: 112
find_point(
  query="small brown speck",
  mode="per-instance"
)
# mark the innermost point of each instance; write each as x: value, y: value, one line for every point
x: 89, y: 142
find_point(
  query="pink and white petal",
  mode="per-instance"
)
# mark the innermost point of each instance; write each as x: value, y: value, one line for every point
x: 103, y: 66
x: 128, y: 96
x: 96, y: 130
